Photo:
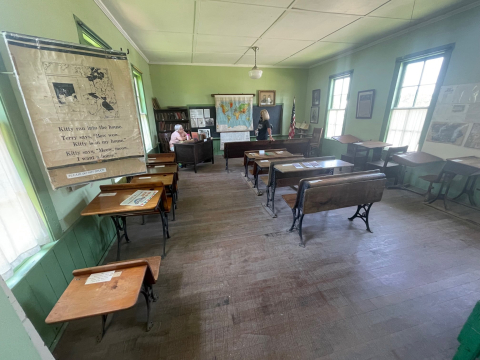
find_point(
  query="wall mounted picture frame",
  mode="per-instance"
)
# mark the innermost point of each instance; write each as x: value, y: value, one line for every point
x: 314, y: 113
x: 316, y: 97
x: 267, y: 97
x: 365, y: 101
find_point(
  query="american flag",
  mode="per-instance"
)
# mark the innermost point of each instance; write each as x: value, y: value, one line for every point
x: 291, y: 131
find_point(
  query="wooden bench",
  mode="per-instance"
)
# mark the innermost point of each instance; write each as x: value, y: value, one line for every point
x: 237, y: 149
x: 130, y: 278
x: 332, y: 192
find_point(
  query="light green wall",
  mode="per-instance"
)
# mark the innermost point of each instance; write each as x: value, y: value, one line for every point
x: 374, y: 69
x: 177, y: 85
x: 54, y: 19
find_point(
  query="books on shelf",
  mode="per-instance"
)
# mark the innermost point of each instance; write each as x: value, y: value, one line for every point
x: 170, y: 126
x: 171, y: 115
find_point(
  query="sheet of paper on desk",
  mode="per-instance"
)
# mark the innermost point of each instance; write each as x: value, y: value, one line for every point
x: 298, y: 166
x: 107, y: 194
x: 457, y: 160
x: 287, y: 165
x: 100, y: 277
x: 145, y: 177
x: 308, y: 165
x: 314, y: 181
x: 160, y: 166
x: 264, y: 160
x: 279, y: 152
x: 139, y: 198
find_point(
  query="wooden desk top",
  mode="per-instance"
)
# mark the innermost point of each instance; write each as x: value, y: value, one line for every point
x: 328, y: 164
x: 472, y: 161
x: 346, y: 139
x: 415, y: 158
x: 166, y: 179
x: 272, y: 154
x: 161, y: 158
x: 372, y: 144
x: 163, y: 169
x: 80, y: 301
x: 266, y: 163
x: 106, y: 205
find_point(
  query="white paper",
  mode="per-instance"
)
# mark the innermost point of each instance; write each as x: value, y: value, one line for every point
x: 279, y: 152
x: 206, y: 113
x: 117, y: 274
x: 100, y: 277
x: 160, y: 166
x: 308, y: 165
x: 193, y: 122
x: 86, y: 173
x: 139, y: 198
x: 446, y: 94
x: 264, y: 160
x: 287, y: 165
x: 145, y: 177
x: 107, y: 194
x: 233, y: 137
x: 457, y: 160
x: 298, y: 166
x: 253, y: 154
x: 196, y: 113
x: 201, y: 122
x: 314, y: 181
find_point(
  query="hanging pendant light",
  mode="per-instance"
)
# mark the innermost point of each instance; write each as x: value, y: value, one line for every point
x: 255, y: 73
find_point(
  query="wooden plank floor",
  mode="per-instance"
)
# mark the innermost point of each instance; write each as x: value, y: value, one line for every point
x: 236, y: 285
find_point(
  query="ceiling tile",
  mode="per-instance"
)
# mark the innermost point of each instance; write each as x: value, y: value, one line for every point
x: 160, y: 15
x: 201, y: 58
x: 274, y: 47
x: 249, y: 59
x: 316, y: 53
x: 274, y: 3
x: 231, y: 19
x: 428, y: 8
x: 303, y: 25
x: 223, y: 44
x: 356, y: 7
x: 173, y: 57
x: 162, y: 41
x: 397, y: 9
x: 367, y: 29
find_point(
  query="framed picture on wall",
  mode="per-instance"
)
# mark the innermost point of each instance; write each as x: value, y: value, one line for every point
x: 316, y: 97
x: 365, y: 104
x: 314, y: 111
x: 266, y: 97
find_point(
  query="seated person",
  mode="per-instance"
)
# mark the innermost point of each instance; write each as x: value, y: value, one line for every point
x: 264, y: 130
x: 178, y: 135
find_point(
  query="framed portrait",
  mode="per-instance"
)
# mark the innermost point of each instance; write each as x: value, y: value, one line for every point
x: 365, y: 104
x: 316, y: 97
x: 266, y: 97
x: 204, y: 131
x: 314, y: 114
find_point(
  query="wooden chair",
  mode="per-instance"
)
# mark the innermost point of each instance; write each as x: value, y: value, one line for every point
x: 316, y: 143
x: 164, y: 141
x: 387, y: 166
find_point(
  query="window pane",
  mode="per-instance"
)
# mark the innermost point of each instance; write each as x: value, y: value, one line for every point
x: 431, y: 71
x: 424, y: 95
x: 337, y: 87
x: 343, y: 102
x: 407, y: 96
x: 413, y: 73
x: 336, y: 101
x: 346, y: 85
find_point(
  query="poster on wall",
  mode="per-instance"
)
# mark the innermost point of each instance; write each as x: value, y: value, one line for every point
x: 234, y: 112
x: 82, y: 109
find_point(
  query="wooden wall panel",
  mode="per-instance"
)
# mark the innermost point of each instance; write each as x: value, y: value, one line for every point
x: 54, y: 273
x: 64, y: 259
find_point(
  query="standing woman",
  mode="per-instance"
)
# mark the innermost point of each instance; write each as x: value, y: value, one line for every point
x: 178, y: 135
x: 264, y: 131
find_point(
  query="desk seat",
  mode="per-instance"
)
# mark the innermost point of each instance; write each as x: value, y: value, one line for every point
x: 380, y: 163
x: 290, y: 200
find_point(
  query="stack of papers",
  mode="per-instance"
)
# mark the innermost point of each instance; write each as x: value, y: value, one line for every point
x: 139, y: 198
x: 308, y: 165
x: 100, y: 277
x: 298, y: 166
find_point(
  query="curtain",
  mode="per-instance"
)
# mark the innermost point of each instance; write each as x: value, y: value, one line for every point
x: 22, y: 231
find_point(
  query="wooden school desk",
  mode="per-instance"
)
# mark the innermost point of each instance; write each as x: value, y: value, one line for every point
x: 412, y: 159
x: 131, y: 278
x: 371, y: 145
x: 290, y: 169
x: 168, y: 181
x: 193, y: 152
x: 346, y: 139
x: 109, y: 205
x: 163, y: 169
x: 164, y: 158
x: 261, y: 165
x: 270, y: 154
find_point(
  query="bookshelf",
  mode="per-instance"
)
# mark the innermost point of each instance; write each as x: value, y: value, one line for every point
x: 165, y: 121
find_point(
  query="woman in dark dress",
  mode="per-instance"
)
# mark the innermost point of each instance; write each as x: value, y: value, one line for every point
x: 264, y: 131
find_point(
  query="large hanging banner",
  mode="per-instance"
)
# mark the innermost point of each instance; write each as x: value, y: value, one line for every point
x: 81, y: 105
x: 234, y: 112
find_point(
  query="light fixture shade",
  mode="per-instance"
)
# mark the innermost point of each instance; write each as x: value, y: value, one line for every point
x: 255, y: 73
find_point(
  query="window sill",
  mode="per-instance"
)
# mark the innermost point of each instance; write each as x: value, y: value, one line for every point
x: 22, y: 269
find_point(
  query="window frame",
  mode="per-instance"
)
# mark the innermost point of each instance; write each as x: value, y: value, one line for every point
x: 142, y: 104
x: 397, y: 80
x: 84, y: 29
x: 331, y: 81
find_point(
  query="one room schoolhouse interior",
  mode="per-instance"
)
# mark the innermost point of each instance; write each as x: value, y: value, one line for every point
x: 240, y: 179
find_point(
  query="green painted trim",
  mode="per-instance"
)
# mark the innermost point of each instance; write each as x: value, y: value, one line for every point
x: 331, y: 78
x: 92, y: 39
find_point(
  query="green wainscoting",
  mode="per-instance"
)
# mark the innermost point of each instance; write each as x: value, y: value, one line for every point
x: 37, y: 291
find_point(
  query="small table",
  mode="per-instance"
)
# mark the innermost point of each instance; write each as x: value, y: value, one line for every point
x: 270, y: 154
x: 261, y: 165
x: 194, y: 152
x: 109, y: 205
x: 413, y: 159
x: 81, y: 301
x: 163, y: 158
x: 346, y: 139
x: 290, y: 169
x: 369, y: 145
x: 168, y: 180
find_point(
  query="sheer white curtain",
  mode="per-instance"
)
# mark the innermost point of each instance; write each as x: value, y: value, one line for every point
x: 21, y: 229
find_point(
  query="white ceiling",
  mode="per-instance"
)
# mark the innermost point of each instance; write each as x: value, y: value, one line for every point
x: 294, y: 33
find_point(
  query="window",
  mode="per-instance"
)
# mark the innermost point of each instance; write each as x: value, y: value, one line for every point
x: 416, y: 84
x: 337, y: 104
x: 142, y: 108
x: 87, y: 37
